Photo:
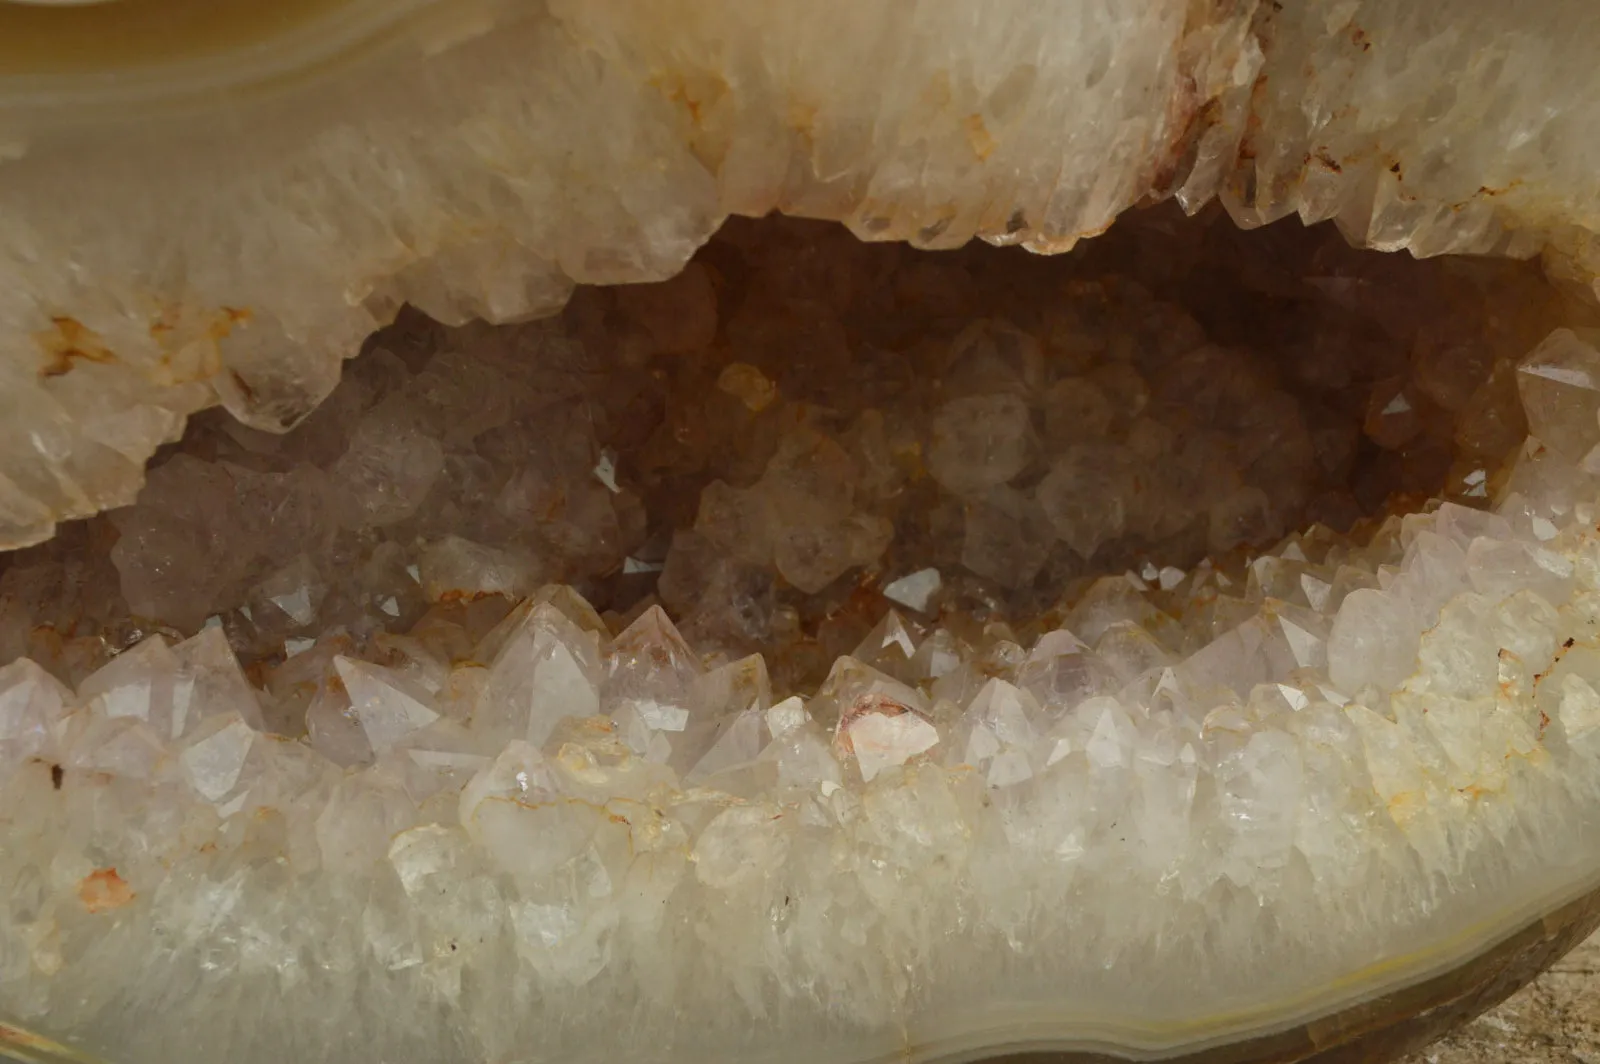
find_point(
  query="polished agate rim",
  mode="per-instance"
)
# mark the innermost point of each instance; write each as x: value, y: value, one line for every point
x: 1375, y: 1029
x: 1386, y: 1027
x: 1431, y: 992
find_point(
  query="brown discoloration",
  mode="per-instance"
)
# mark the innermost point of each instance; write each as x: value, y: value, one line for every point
x: 1189, y: 113
x: 243, y: 385
x: 188, y: 340
x: 69, y: 340
x: 1553, y: 1020
x: 1486, y: 190
x: 453, y: 596
x: 102, y: 891
x: 696, y: 100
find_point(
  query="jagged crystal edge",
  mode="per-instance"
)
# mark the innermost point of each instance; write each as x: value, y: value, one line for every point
x: 573, y: 820
x: 470, y: 182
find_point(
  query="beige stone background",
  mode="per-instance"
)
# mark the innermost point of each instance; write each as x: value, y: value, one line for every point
x: 1554, y: 1020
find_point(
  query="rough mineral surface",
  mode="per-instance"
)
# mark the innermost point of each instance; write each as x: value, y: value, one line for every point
x: 221, y: 209
x: 836, y: 652
x: 1555, y: 1020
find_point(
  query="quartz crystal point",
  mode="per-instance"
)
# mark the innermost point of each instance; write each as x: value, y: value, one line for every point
x: 547, y: 669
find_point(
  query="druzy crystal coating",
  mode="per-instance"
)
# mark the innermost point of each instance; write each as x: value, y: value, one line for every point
x: 829, y: 652
x: 854, y: 650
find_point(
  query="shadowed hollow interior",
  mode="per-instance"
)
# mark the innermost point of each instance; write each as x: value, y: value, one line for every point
x: 802, y: 431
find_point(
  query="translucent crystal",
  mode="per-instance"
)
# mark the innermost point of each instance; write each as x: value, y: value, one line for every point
x: 1007, y: 536
x: 1559, y: 382
x: 998, y: 734
x: 547, y: 669
x: 1087, y: 494
x: 138, y: 684
x: 741, y: 846
x: 889, y: 647
x: 650, y: 676
x: 213, y: 762
x: 1373, y: 640
x: 979, y: 442
x: 1060, y: 671
x: 32, y: 703
x: 388, y: 706
x: 455, y: 567
x: 915, y: 590
x: 209, y: 683
x: 723, y: 730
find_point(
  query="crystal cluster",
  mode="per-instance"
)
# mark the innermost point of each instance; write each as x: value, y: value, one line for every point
x: 201, y: 205
x: 799, y: 422
x: 833, y: 650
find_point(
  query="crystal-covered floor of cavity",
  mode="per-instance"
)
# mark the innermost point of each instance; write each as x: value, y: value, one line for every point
x: 1124, y: 840
x: 1194, y: 800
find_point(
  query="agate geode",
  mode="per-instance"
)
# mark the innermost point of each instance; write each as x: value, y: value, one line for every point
x: 689, y: 639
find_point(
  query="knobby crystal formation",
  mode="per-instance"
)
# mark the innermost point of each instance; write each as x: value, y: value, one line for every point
x: 834, y: 652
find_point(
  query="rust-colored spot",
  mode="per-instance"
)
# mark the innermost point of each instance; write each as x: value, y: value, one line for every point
x: 1405, y: 805
x: 1544, y: 722
x: 57, y: 776
x: 696, y: 98
x: 245, y: 390
x: 1327, y: 160
x: 217, y: 325
x: 68, y: 339
x: 103, y: 890
x: 978, y: 136
x: 1486, y: 190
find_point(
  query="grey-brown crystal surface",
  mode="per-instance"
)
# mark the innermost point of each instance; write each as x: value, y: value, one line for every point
x: 684, y: 637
